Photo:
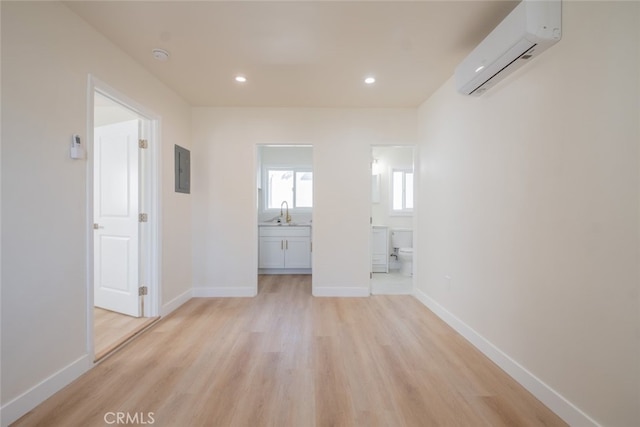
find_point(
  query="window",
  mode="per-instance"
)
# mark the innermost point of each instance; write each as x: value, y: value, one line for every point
x: 402, y: 191
x: 293, y: 185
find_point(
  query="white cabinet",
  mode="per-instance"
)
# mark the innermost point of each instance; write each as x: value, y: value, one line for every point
x: 297, y: 252
x: 284, y: 247
x: 271, y: 252
x: 379, y: 249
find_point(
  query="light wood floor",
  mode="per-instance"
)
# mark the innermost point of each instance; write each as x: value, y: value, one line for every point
x: 113, y: 329
x: 286, y: 359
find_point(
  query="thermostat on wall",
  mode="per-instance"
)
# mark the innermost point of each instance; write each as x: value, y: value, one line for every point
x: 77, y: 150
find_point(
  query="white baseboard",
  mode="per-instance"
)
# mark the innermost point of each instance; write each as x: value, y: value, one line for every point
x: 566, y: 410
x: 224, y: 292
x: 340, y: 291
x: 176, y: 302
x: 24, y: 403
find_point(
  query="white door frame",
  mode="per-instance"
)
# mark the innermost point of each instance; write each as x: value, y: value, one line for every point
x: 414, y: 148
x: 257, y: 167
x: 150, y: 203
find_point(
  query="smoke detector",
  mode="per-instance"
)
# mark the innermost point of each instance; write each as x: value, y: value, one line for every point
x: 160, y: 54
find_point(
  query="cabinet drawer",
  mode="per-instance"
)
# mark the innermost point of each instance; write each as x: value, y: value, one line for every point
x: 285, y: 231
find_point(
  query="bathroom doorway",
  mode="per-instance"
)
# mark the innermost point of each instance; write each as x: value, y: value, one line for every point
x: 124, y: 221
x: 285, y: 212
x: 392, y: 219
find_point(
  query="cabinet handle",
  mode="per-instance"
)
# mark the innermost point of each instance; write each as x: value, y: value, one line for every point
x: 286, y: 244
x: 281, y: 244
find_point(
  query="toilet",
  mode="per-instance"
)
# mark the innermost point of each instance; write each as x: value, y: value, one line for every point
x: 402, y: 242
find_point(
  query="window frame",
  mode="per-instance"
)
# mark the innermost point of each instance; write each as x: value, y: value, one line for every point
x: 296, y: 169
x: 404, y: 210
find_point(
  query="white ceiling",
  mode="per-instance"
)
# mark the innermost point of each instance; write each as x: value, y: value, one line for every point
x: 298, y: 53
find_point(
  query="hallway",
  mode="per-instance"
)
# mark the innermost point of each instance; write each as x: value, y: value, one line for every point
x: 286, y: 358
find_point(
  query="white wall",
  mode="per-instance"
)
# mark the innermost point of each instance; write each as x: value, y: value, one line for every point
x: 225, y: 232
x: 287, y: 155
x: 47, y: 55
x: 532, y: 207
x: 530, y: 203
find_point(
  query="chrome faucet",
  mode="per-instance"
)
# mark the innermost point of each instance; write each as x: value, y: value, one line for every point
x: 288, y: 218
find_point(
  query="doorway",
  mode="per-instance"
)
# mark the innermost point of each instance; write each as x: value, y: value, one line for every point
x: 392, y: 220
x: 124, y: 267
x: 285, y: 213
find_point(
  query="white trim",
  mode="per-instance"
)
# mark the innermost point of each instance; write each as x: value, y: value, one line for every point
x: 37, y: 394
x: 566, y: 410
x: 415, y: 156
x: 89, y: 259
x: 224, y: 291
x: 155, y: 221
x: 340, y: 291
x: 175, y: 303
x: 119, y: 97
x: 152, y: 262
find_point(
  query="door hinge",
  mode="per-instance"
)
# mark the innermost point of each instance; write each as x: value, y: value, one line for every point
x: 143, y: 217
x: 143, y: 290
x: 142, y: 143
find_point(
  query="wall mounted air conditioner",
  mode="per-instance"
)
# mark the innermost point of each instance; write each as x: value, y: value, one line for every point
x: 531, y: 28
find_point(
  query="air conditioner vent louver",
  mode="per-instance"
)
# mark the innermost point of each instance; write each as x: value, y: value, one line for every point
x: 524, y: 55
x: 531, y: 28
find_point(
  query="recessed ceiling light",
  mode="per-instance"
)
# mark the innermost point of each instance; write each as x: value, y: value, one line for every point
x: 370, y: 80
x: 241, y: 79
x: 160, y: 54
x: 480, y: 68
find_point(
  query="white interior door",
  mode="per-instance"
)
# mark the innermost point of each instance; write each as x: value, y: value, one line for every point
x: 116, y: 226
